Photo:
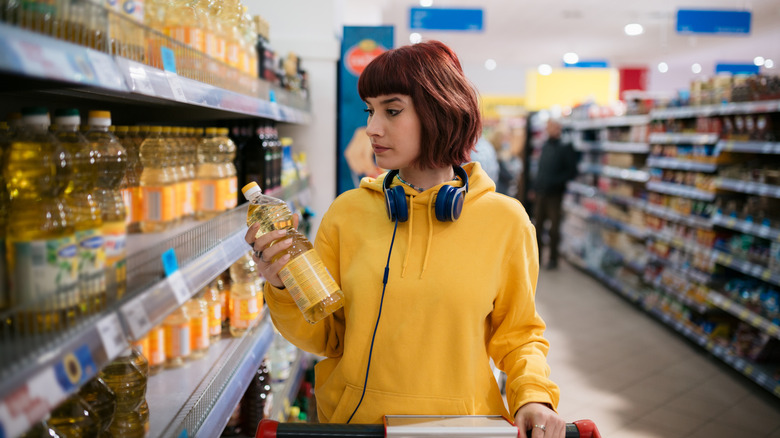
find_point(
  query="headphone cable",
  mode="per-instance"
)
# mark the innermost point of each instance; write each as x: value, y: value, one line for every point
x: 376, y: 325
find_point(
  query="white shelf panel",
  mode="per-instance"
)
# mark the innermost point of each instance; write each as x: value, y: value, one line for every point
x: 749, y: 147
x: 680, y: 190
x: 682, y: 138
x: 677, y: 164
x: 714, y: 110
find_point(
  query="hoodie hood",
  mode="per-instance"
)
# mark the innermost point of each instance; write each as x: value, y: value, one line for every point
x: 424, y: 202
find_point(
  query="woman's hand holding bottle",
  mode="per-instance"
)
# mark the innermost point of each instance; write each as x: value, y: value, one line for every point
x: 266, y: 247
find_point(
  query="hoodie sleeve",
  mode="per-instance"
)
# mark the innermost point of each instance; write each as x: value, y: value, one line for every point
x: 324, y: 338
x: 517, y: 344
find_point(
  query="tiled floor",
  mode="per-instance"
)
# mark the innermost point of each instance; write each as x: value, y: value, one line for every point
x: 636, y: 378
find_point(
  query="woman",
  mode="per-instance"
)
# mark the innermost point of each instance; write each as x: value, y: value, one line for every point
x: 460, y: 284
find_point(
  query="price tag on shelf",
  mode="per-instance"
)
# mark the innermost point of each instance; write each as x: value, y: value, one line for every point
x: 176, y: 87
x: 179, y: 287
x: 136, y: 317
x: 112, y: 335
x: 106, y: 70
x: 140, y: 81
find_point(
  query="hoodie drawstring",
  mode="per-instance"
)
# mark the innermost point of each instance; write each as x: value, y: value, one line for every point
x: 430, y: 236
x: 409, y: 235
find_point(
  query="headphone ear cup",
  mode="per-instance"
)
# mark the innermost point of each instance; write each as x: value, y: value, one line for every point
x: 443, y: 206
x: 395, y: 201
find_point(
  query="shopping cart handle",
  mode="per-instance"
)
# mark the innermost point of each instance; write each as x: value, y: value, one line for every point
x: 274, y: 429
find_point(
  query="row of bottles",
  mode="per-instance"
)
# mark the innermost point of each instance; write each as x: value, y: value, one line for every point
x: 259, y: 157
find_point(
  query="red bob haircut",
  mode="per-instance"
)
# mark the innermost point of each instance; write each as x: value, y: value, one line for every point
x: 444, y: 99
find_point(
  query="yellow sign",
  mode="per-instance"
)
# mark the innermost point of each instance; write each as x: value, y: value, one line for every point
x: 569, y: 87
x: 501, y: 107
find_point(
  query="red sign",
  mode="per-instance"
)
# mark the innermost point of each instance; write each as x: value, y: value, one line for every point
x: 359, y: 55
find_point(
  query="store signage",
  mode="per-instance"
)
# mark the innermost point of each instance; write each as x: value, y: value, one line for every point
x: 694, y: 21
x: 588, y: 64
x: 737, y: 69
x: 470, y: 20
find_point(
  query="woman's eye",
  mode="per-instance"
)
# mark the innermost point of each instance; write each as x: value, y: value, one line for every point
x: 369, y: 111
x: 393, y: 112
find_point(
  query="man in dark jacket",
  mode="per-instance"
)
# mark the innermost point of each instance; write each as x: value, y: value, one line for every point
x: 557, y: 166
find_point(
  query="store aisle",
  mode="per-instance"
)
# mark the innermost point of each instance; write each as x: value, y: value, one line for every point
x: 634, y: 377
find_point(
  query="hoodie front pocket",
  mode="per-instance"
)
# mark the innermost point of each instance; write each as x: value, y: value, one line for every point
x: 376, y: 404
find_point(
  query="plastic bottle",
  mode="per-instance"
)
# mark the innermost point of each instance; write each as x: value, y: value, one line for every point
x: 127, y: 377
x: 177, y: 337
x: 111, y: 164
x: 186, y: 154
x: 256, y: 403
x: 212, y: 179
x: 130, y: 187
x: 156, y: 354
x: 87, y: 218
x: 171, y: 135
x: 245, y: 295
x: 211, y: 295
x: 220, y: 29
x: 305, y: 276
x: 41, y: 240
x: 223, y: 287
x: 231, y: 176
x: 156, y: 183
x: 5, y: 203
x: 74, y: 417
x: 198, y: 309
x: 102, y: 399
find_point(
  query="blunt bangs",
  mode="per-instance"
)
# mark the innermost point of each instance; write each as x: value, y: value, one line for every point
x: 385, y: 74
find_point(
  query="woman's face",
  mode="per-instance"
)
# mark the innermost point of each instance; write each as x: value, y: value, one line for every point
x: 394, y: 130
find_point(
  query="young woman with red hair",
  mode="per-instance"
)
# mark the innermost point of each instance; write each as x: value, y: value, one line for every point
x: 424, y: 312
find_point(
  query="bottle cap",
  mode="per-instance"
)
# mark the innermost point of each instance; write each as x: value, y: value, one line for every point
x: 35, y: 116
x: 67, y: 117
x: 250, y: 189
x: 211, y: 131
x: 100, y: 118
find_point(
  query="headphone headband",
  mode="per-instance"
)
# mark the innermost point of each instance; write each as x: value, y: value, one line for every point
x: 449, y: 199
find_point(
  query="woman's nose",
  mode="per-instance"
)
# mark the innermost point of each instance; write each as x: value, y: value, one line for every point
x: 374, y: 127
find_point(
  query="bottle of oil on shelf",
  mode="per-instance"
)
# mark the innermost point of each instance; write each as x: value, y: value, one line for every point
x: 189, y: 153
x: 129, y: 137
x: 171, y: 133
x: 178, y: 342
x: 5, y: 203
x: 74, y: 417
x: 111, y: 164
x: 305, y: 276
x: 41, y: 240
x: 198, y: 309
x: 212, y: 180
x: 156, y: 183
x: 231, y: 176
x: 245, y: 295
x: 156, y: 354
x: 127, y: 376
x: 222, y: 282
x: 211, y: 295
x: 102, y: 399
x: 87, y: 219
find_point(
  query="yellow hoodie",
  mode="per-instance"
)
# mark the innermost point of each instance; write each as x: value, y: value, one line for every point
x: 458, y: 293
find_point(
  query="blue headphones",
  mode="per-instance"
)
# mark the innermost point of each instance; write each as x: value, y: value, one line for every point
x: 449, y: 199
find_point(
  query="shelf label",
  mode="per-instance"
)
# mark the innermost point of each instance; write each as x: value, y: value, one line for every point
x: 136, y: 318
x: 105, y: 70
x: 179, y: 287
x: 176, y: 87
x: 140, y: 81
x: 111, y: 335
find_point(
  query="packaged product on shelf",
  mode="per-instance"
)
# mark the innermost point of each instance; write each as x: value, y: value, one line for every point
x: 258, y: 398
x: 198, y: 309
x: 214, y: 303
x: 156, y: 182
x: 102, y: 399
x: 111, y: 163
x: 214, y: 183
x: 228, y: 158
x: 87, y: 219
x: 305, y: 276
x: 74, y: 417
x: 127, y: 376
x: 131, y: 184
x: 246, y: 295
x: 156, y: 354
x: 177, y: 337
x: 41, y: 240
x: 189, y: 158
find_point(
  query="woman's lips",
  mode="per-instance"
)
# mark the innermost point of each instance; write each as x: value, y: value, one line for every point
x: 379, y: 149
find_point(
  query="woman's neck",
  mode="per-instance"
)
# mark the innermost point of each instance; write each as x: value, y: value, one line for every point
x: 426, y: 178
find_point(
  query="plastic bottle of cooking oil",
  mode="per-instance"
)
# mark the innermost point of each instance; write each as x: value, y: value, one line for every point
x: 156, y: 183
x: 211, y: 295
x: 177, y: 337
x: 5, y: 201
x: 127, y: 376
x: 191, y: 169
x: 231, y: 176
x: 305, y: 276
x: 222, y: 282
x: 87, y: 219
x: 74, y: 417
x: 41, y: 240
x: 102, y: 399
x: 131, y: 192
x: 111, y: 165
x: 198, y: 309
x: 186, y: 153
x: 211, y: 175
x: 156, y: 354
x: 245, y: 295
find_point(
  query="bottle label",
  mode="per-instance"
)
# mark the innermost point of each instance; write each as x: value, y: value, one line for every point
x: 92, y: 259
x: 158, y: 204
x: 177, y: 340
x: 178, y: 204
x: 245, y: 311
x: 211, y: 44
x: 188, y: 204
x: 192, y: 36
x: 127, y: 198
x: 138, y: 204
x: 215, y: 319
x: 213, y: 194
x: 43, y: 269
x: 156, y: 346
x: 308, y: 280
x: 115, y: 238
x: 221, y: 49
x: 232, y: 55
x: 231, y: 199
x: 200, y: 332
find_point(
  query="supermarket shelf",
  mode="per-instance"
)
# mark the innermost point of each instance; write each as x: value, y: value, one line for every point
x: 676, y: 164
x: 747, y: 268
x: 671, y: 215
x: 686, y: 245
x: 714, y: 110
x: 750, y: 147
x: 582, y: 189
x: 285, y: 393
x: 625, y: 147
x: 682, y: 138
x: 691, y: 274
x: 625, y: 174
x: 586, y: 145
x: 747, y: 227
x: 680, y: 190
x: 744, y: 314
x: 216, y: 383
x: 632, y: 265
x: 632, y: 120
x: 637, y: 232
x: 688, y: 301
x: 96, y: 75
x: 749, y: 187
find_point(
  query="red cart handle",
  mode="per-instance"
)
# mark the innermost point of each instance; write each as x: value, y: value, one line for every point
x: 274, y: 429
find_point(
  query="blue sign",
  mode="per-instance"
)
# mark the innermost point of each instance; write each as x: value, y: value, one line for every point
x: 588, y: 64
x: 446, y: 19
x: 737, y: 69
x: 690, y: 21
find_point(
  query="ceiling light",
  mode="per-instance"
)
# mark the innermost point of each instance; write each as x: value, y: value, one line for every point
x: 545, y: 69
x: 696, y: 68
x: 490, y: 64
x: 759, y: 60
x: 768, y: 63
x: 426, y: 3
x: 570, y: 58
x: 415, y: 37
x: 663, y: 67
x: 634, y: 29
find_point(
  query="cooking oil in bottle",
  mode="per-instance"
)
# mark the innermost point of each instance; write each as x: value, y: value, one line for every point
x: 245, y: 288
x: 222, y: 283
x: 231, y: 176
x: 102, y: 399
x: 177, y: 337
x: 156, y: 183
x: 5, y: 201
x: 174, y: 150
x: 305, y: 276
x: 87, y: 219
x: 75, y: 418
x: 127, y: 376
x: 111, y: 165
x: 41, y: 240
x: 212, y: 178
x: 198, y: 309
x: 214, y: 302
x: 156, y: 354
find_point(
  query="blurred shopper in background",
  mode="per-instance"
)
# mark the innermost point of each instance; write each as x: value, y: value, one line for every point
x: 485, y: 154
